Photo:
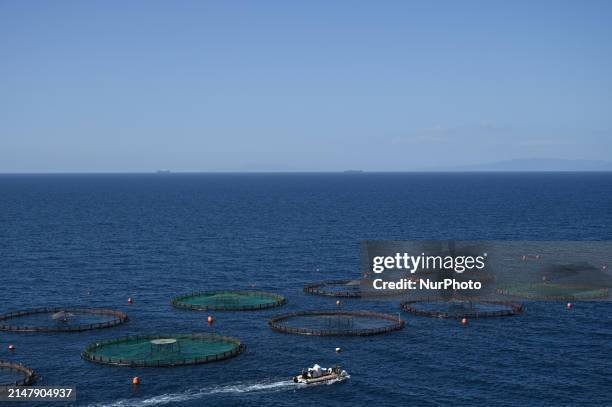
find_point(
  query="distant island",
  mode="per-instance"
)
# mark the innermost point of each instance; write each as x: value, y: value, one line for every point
x: 540, y: 164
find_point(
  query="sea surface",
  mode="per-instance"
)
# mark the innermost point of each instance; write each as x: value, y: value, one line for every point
x: 95, y: 240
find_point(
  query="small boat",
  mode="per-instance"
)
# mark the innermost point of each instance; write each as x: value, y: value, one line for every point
x: 317, y: 375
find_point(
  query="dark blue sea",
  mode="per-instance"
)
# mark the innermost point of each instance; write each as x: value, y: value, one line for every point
x: 95, y: 240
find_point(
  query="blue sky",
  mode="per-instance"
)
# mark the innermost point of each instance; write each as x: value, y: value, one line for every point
x: 314, y: 85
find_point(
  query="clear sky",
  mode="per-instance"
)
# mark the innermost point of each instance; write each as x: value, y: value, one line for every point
x: 312, y: 85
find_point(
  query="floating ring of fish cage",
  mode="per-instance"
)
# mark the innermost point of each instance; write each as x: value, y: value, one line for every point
x: 21, y: 375
x: 163, y: 350
x: 228, y: 301
x: 61, y: 319
x: 336, y: 323
x: 436, y: 308
x: 546, y: 291
x: 346, y: 289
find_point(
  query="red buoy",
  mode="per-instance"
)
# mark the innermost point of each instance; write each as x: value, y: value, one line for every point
x: 11, y: 348
x: 136, y: 381
x: 570, y: 305
x: 210, y: 320
x: 464, y: 321
x: 130, y: 300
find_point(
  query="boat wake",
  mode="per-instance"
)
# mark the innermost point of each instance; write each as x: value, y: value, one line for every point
x: 196, y: 394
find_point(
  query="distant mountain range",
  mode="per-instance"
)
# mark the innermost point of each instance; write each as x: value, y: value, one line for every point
x: 540, y: 164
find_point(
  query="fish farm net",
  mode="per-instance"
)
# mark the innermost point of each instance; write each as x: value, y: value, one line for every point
x: 347, y: 289
x: 553, y: 291
x: 15, y: 374
x: 61, y: 319
x: 163, y: 350
x: 229, y: 301
x: 336, y: 323
x: 437, y: 308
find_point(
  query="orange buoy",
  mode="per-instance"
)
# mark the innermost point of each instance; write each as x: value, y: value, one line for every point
x: 130, y: 300
x: 338, y: 302
x: 136, y: 380
x: 570, y: 305
x: 11, y: 348
x: 210, y: 320
x: 464, y: 321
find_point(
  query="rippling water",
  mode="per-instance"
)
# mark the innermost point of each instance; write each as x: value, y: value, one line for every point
x: 98, y: 239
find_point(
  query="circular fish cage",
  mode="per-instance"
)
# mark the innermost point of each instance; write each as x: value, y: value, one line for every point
x: 15, y: 374
x: 347, y: 289
x: 229, y: 301
x: 436, y: 308
x: 58, y: 319
x: 163, y: 350
x: 336, y: 323
x: 546, y: 291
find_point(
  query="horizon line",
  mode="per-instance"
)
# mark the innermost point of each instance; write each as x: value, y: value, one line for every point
x: 347, y: 172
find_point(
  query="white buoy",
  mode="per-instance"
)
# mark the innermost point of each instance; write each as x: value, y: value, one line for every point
x: 338, y: 350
